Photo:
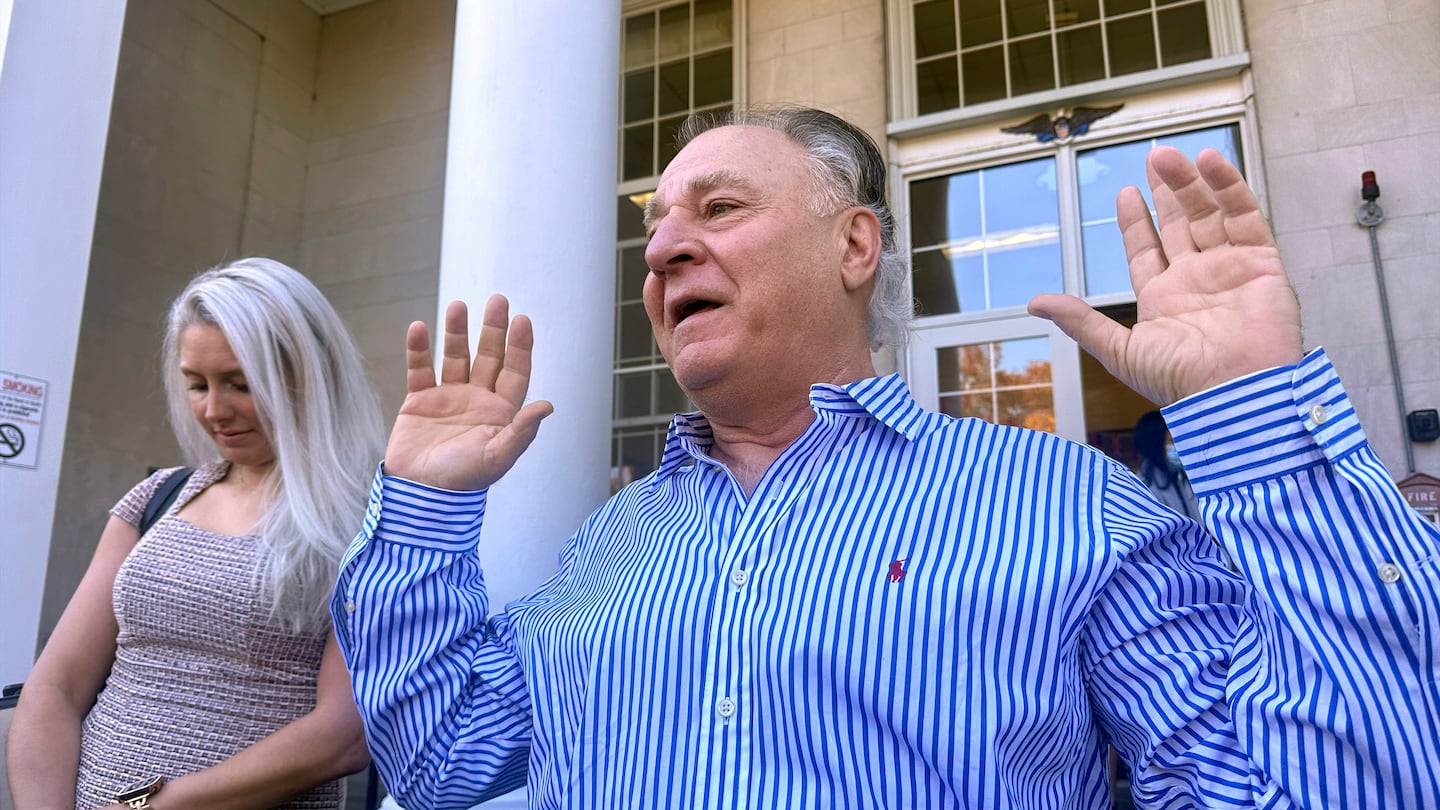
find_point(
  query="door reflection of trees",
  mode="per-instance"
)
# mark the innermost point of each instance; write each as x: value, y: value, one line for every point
x: 976, y: 380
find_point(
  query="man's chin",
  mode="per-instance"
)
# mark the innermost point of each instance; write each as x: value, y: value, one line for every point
x: 696, y: 370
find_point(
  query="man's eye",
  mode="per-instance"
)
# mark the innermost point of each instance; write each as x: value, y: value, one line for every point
x: 718, y: 208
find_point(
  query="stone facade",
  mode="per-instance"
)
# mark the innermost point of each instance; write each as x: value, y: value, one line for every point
x: 1341, y: 87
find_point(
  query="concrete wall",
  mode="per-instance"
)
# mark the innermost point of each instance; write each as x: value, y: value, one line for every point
x: 823, y: 53
x: 1344, y: 86
x: 373, y: 199
x: 240, y: 128
x: 200, y: 167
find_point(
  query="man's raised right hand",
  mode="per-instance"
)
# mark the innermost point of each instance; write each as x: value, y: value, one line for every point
x: 467, y: 431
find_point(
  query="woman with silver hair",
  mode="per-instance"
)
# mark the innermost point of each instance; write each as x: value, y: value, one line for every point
x: 195, y: 665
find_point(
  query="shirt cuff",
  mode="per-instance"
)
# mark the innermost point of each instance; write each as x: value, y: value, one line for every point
x: 412, y: 514
x: 1264, y: 425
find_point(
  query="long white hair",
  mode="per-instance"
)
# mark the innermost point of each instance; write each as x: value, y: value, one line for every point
x: 315, y: 405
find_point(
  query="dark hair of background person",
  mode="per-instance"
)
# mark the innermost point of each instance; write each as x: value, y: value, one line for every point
x: 1150, y: 434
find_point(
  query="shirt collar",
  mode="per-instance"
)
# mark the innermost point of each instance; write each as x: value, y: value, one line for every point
x: 885, y: 399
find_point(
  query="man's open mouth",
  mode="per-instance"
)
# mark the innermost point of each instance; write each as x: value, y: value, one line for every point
x: 689, y: 308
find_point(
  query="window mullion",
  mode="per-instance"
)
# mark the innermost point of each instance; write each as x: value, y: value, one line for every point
x: 1072, y: 250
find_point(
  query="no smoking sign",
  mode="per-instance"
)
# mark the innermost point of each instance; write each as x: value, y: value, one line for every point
x: 22, y: 412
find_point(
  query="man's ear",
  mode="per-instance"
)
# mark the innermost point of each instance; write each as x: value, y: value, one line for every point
x: 860, y: 230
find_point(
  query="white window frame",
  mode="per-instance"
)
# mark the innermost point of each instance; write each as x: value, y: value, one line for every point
x: 1158, y: 111
x: 646, y: 186
x: 1227, y: 43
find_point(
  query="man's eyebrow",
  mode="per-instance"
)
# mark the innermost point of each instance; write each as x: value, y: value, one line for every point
x: 655, y: 203
x: 698, y: 186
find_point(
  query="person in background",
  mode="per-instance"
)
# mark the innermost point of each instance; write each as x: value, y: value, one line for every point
x: 1160, y: 466
x: 196, y: 667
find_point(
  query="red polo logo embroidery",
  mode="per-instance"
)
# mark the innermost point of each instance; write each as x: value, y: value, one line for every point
x: 897, y: 570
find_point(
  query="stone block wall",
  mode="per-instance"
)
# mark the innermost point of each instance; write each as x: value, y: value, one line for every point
x: 244, y: 128
x: 1342, y: 87
x: 375, y: 191
x: 211, y: 99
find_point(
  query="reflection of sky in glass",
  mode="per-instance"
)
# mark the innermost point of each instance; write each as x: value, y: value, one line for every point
x: 1016, y: 276
x: 1016, y: 355
x: 1104, y: 171
x: 969, y: 278
x: 1106, y: 270
x: 1016, y: 196
x: 999, y: 231
x: 1110, y: 169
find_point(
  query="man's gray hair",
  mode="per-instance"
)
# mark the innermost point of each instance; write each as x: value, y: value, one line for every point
x: 848, y: 170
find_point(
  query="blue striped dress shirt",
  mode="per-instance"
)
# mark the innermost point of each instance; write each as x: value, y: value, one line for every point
x: 912, y: 610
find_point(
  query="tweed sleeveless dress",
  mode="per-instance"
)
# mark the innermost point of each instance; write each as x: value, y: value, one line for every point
x: 200, y: 670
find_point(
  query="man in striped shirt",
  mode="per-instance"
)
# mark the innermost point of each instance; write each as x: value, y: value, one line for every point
x: 827, y: 596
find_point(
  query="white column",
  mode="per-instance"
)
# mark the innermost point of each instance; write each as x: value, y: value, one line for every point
x: 55, y: 89
x: 530, y: 212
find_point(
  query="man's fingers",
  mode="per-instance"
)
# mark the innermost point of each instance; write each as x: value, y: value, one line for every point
x: 1096, y: 333
x: 455, y: 360
x: 1174, y: 223
x: 521, y: 431
x: 490, y: 348
x: 1193, y: 196
x: 419, y: 362
x: 1243, y: 222
x: 514, y: 380
x: 1142, y: 245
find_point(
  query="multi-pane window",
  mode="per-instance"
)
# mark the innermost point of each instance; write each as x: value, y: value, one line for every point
x: 677, y: 59
x: 992, y: 238
x: 1103, y: 171
x: 645, y: 393
x: 1007, y: 382
x: 968, y: 52
x: 985, y: 239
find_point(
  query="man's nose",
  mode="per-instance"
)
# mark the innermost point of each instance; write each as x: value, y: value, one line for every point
x: 673, y: 243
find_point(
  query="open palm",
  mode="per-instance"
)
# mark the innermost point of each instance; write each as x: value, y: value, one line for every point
x: 467, y: 431
x: 1213, y: 301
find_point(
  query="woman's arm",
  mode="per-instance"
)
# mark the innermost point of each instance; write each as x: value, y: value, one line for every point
x: 43, y: 752
x: 324, y: 745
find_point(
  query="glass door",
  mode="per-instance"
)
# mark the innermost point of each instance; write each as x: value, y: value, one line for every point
x: 1019, y: 371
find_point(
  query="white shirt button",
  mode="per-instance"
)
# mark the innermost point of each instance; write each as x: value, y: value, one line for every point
x: 739, y: 577
x: 725, y: 707
x: 349, y: 606
x: 1389, y: 573
x: 1318, y: 414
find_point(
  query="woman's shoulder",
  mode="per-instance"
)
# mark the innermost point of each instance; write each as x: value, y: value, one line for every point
x: 131, y: 508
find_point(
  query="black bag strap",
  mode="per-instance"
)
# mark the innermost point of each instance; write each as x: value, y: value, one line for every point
x: 164, y: 496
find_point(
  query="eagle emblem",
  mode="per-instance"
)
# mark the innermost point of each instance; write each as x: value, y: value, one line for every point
x: 1061, y: 127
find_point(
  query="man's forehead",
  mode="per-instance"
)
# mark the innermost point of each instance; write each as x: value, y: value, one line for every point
x: 724, y: 157
x: 729, y: 142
